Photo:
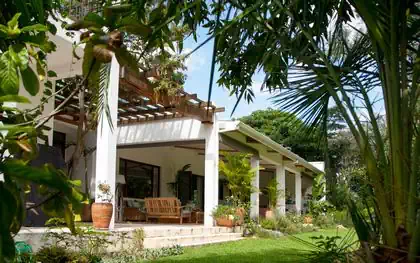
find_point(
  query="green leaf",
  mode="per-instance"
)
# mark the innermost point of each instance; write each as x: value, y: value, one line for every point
x: 13, y: 24
x: 125, y: 58
x: 132, y: 26
x: 8, y: 208
x: 9, y: 78
x: 30, y: 81
x: 93, y: 19
x: 14, y: 98
x: 20, y: 55
x: 51, y: 74
x: 36, y: 27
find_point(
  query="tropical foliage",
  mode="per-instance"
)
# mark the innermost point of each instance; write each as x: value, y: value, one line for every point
x: 25, y: 27
x: 312, y: 55
x: 24, y: 47
x: 237, y: 170
x: 285, y: 128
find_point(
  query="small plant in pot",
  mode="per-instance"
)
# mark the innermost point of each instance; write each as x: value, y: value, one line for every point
x: 102, y: 210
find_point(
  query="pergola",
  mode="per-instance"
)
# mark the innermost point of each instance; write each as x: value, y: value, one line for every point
x: 138, y: 102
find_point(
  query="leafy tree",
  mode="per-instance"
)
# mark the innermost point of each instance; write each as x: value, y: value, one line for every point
x: 24, y: 46
x: 285, y: 128
x: 20, y: 134
x: 313, y: 55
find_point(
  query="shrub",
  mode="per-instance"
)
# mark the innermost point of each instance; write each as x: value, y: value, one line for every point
x: 53, y: 254
x: 268, y: 224
x: 138, y: 238
x: 324, y: 221
x: 291, y: 229
x: 342, y: 218
x: 146, y: 254
x: 294, y: 218
x: 283, y: 222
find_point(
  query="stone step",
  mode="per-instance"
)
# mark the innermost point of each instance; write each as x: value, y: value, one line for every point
x: 190, y: 240
x: 187, y: 231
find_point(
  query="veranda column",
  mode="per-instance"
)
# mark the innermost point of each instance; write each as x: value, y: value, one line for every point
x: 106, y: 138
x: 298, y: 192
x: 281, y: 188
x: 255, y: 196
x: 211, y: 171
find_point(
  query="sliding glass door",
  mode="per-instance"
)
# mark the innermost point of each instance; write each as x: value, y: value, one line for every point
x: 141, y: 180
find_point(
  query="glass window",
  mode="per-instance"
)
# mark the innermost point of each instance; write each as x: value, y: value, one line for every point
x: 142, y: 180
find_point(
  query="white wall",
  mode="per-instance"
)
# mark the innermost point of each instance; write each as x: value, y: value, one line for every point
x: 162, y: 131
x: 90, y: 141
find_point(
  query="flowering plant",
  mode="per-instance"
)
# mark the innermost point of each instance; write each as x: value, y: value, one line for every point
x: 105, y: 193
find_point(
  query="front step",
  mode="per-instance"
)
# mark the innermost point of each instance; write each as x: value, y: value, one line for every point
x: 190, y: 240
x: 157, y: 231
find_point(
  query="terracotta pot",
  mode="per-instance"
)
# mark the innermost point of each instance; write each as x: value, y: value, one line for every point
x: 240, y: 212
x: 307, y: 220
x: 224, y: 221
x: 101, y: 215
x: 269, y: 214
x: 86, y: 215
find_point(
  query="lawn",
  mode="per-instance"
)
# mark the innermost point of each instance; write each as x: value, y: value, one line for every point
x: 284, y: 249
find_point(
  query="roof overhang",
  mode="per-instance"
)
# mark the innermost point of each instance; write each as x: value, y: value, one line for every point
x: 227, y: 127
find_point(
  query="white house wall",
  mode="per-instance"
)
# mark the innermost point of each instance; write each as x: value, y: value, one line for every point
x: 185, y: 129
x: 90, y: 142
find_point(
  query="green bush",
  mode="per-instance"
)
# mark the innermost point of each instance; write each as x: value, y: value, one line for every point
x: 224, y: 211
x: 268, y: 224
x: 146, y: 254
x: 342, y: 218
x: 283, y: 222
x: 292, y: 229
x: 324, y: 221
x: 54, y: 254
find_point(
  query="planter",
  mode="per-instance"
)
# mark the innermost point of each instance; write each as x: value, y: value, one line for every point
x: 269, y: 214
x: 229, y: 221
x: 223, y: 221
x: 101, y: 215
x: 307, y: 220
x: 86, y: 215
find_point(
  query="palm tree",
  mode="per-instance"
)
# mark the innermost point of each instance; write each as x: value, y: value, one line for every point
x: 312, y: 55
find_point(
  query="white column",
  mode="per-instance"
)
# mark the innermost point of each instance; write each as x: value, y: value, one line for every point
x: 211, y: 172
x: 281, y: 188
x: 106, y: 138
x: 298, y: 192
x: 255, y: 196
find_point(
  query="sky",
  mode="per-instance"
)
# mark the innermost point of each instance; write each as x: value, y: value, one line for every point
x: 198, y: 78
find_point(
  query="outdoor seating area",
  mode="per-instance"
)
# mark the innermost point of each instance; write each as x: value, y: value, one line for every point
x: 168, y: 208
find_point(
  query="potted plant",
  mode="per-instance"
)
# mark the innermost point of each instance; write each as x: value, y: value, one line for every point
x: 102, y: 211
x: 272, y: 192
x: 228, y: 216
x: 86, y: 215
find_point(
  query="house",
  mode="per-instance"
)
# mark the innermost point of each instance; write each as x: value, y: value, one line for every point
x: 150, y: 139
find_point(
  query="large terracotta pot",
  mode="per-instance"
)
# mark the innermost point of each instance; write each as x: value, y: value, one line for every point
x: 86, y: 215
x: 269, y: 214
x: 101, y: 215
x: 225, y: 221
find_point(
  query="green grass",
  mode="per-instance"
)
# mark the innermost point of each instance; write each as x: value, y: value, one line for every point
x: 285, y: 249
